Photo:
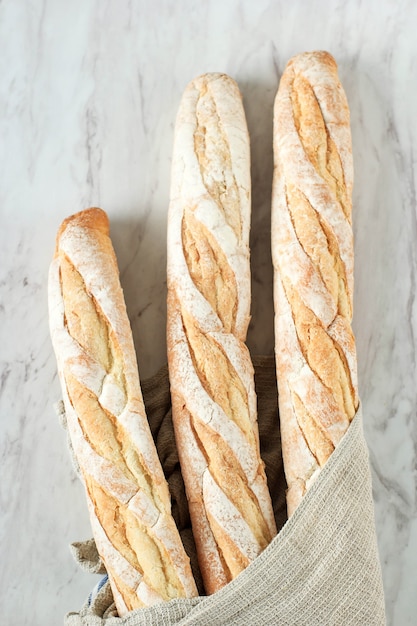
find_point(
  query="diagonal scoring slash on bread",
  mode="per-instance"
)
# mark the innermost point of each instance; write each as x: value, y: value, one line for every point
x: 312, y: 248
x: 127, y: 494
x: 211, y: 374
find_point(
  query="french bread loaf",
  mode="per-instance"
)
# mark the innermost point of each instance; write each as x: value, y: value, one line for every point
x: 128, y: 497
x: 312, y: 249
x: 211, y: 374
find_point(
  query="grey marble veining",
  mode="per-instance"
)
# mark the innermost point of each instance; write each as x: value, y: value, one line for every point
x: 88, y: 98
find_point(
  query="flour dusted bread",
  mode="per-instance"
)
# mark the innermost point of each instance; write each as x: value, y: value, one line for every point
x: 127, y: 494
x: 211, y: 374
x: 312, y: 248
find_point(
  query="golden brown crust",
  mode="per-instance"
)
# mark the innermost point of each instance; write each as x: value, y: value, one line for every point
x: 93, y: 218
x: 211, y: 374
x: 126, y: 490
x: 312, y: 248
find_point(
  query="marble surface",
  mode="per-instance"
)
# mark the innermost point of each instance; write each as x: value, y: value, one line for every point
x: 89, y: 93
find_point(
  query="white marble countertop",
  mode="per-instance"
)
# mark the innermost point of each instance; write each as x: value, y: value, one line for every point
x: 89, y: 94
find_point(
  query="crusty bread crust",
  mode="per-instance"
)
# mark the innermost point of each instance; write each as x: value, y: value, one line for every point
x: 211, y: 374
x: 312, y: 249
x: 127, y: 494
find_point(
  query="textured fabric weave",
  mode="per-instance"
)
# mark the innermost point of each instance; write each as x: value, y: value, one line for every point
x: 322, y: 569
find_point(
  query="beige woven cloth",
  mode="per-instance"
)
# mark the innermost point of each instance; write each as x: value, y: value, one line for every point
x: 322, y: 569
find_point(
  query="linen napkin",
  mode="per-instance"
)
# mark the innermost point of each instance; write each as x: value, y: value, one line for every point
x: 322, y: 569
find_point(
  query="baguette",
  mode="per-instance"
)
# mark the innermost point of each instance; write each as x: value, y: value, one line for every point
x: 128, y: 497
x: 211, y: 373
x: 312, y: 250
